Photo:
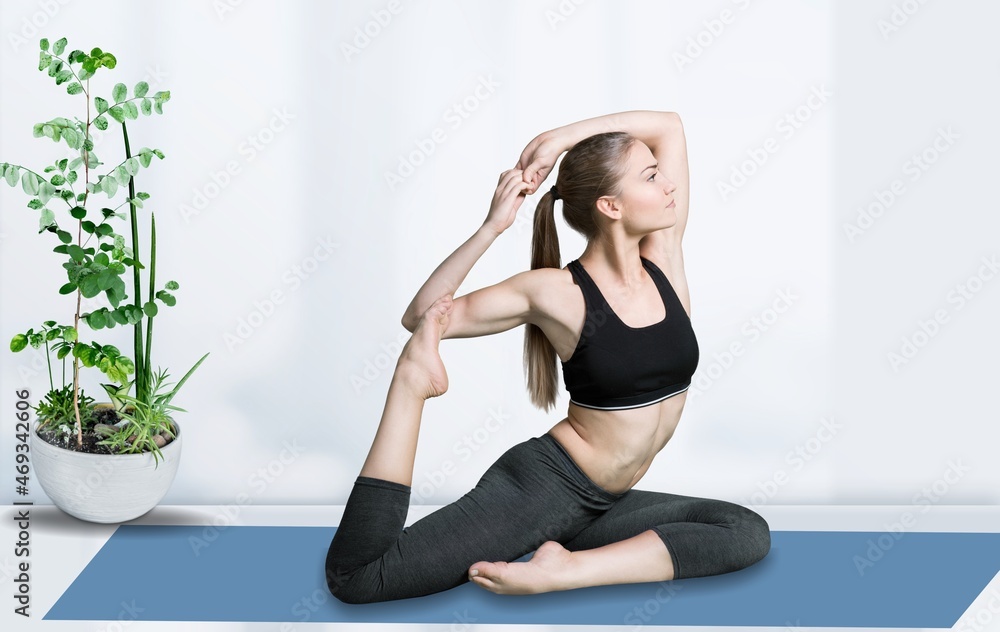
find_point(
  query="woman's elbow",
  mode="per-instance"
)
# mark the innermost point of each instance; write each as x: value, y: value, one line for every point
x: 407, y: 323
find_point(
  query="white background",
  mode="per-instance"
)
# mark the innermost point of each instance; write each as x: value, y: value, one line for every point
x: 286, y: 415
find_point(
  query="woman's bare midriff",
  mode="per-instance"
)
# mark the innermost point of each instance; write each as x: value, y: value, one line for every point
x: 614, y: 448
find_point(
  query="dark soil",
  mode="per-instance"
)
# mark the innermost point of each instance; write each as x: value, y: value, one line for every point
x: 89, y: 442
x: 90, y: 439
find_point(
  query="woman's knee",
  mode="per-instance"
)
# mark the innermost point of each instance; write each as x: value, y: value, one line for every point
x: 349, y: 587
x: 756, y: 534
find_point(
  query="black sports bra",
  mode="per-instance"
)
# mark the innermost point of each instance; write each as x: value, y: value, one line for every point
x: 616, y: 366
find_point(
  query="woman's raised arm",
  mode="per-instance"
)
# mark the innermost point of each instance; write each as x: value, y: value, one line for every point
x: 539, y: 156
x: 448, y: 277
x: 662, y: 132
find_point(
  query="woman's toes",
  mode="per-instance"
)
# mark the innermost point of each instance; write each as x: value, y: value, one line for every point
x: 487, y: 574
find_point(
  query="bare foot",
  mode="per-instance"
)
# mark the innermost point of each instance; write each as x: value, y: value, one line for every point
x: 419, y: 364
x: 548, y: 569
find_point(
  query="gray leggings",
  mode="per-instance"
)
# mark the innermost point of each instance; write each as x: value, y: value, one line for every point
x: 533, y: 493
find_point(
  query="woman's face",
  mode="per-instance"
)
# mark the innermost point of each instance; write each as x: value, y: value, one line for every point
x: 646, y: 199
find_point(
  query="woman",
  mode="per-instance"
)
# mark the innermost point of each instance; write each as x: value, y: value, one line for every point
x: 618, y: 318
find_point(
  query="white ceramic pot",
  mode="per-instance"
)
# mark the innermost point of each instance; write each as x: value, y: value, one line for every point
x: 106, y: 488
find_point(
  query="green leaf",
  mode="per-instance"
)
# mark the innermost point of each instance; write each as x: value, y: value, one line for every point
x: 101, y: 105
x: 109, y: 185
x: 63, y: 76
x: 142, y: 195
x: 172, y: 285
x: 97, y: 320
x: 141, y: 89
x: 118, y: 92
x: 145, y: 158
x: 134, y: 314
x: 158, y: 154
x: 131, y: 111
x: 88, y: 226
x: 117, y: 113
x: 104, y: 229
x: 72, y: 137
x: 66, y: 289
x: 19, y: 342
x: 109, y: 61
x: 90, y: 286
x: 74, y: 88
x: 64, y: 236
x: 76, y: 252
x: 101, y: 123
x: 167, y: 298
x: 121, y: 175
x: 150, y: 309
x: 35, y: 204
x: 12, y: 175
x: 59, y: 46
x: 78, y: 212
x: 44, y: 59
x: 75, y: 163
x: 85, y: 354
x: 119, y: 315
x: 58, y: 179
x: 46, y: 190
x: 136, y: 202
x: 113, y: 299
x: 29, y: 183
x: 146, y: 106
x: 47, y: 219
x: 125, y: 365
x: 131, y: 166
x: 44, y: 43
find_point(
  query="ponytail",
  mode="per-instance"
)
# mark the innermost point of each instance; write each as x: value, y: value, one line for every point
x: 539, y: 354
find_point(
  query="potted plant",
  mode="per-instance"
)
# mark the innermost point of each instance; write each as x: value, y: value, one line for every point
x: 114, y: 461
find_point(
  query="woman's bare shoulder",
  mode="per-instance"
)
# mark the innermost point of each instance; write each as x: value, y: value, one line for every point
x: 551, y: 290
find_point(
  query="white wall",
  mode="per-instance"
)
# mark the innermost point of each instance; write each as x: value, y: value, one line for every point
x: 346, y: 119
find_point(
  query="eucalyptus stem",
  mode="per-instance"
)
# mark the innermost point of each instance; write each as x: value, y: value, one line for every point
x: 152, y: 284
x: 48, y: 361
x: 140, y: 366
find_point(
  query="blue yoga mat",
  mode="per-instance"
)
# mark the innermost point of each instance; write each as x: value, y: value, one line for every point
x: 809, y: 578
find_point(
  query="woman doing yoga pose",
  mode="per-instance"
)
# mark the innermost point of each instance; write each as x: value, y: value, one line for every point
x: 618, y: 318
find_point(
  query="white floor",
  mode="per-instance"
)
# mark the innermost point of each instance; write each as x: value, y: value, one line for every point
x: 61, y: 546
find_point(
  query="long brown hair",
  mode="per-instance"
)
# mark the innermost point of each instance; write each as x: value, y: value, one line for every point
x: 593, y: 168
